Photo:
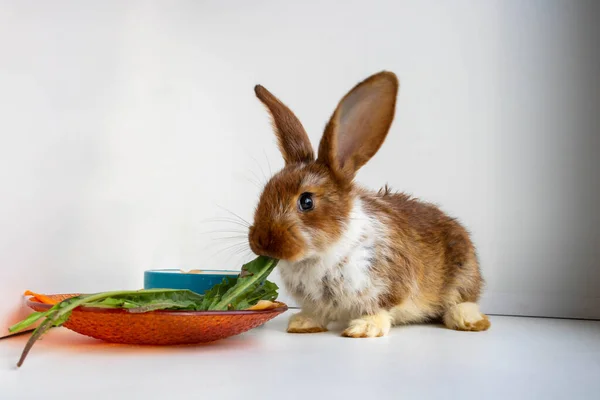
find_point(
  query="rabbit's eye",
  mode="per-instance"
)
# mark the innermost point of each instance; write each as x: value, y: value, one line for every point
x: 305, y: 202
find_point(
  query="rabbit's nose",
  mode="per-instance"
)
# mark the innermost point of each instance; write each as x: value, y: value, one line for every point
x: 259, y: 240
x: 263, y: 241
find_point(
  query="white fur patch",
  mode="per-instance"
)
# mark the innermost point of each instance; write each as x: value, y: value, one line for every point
x: 369, y: 326
x: 338, y: 283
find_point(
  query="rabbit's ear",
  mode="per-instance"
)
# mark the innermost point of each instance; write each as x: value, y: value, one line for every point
x: 291, y: 136
x: 359, y: 125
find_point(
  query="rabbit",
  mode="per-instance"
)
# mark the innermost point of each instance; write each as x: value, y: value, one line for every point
x: 371, y: 259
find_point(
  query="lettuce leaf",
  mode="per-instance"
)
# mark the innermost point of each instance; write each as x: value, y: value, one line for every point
x: 238, y: 293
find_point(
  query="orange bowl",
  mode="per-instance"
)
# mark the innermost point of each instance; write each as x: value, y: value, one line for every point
x: 159, y: 327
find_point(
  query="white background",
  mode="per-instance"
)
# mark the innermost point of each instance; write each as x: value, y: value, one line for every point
x: 124, y: 124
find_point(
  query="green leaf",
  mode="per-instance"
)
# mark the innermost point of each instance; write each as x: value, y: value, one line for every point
x: 266, y: 291
x: 30, y: 320
x: 252, y: 276
x: 61, y: 318
x: 231, y: 294
x: 214, y: 294
x: 60, y: 312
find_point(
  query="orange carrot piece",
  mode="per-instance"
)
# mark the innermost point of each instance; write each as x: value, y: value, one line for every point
x: 40, y: 297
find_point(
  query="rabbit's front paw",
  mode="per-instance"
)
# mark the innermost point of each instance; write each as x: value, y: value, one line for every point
x: 369, y: 326
x: 303, y: 323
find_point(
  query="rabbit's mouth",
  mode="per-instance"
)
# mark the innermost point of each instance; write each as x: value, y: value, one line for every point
x: 276, y: 242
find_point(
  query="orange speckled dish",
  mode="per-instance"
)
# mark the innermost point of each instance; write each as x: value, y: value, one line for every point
x: 159, y: 327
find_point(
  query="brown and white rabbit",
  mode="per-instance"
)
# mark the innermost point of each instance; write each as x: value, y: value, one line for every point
x: 371, y: 259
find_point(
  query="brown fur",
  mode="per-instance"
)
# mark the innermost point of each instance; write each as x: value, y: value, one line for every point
x: 292, y: 138
x: 424, y: 259
x: 283, y: 240
x: 430, y: 248
x: 343, y: 153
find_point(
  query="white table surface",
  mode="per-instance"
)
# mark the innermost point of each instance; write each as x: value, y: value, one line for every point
x: 518, y: 358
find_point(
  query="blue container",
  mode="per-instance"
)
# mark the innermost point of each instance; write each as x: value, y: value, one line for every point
x: 175, y: 279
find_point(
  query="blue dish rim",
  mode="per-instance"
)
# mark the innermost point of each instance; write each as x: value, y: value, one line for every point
x: 205, y: 272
